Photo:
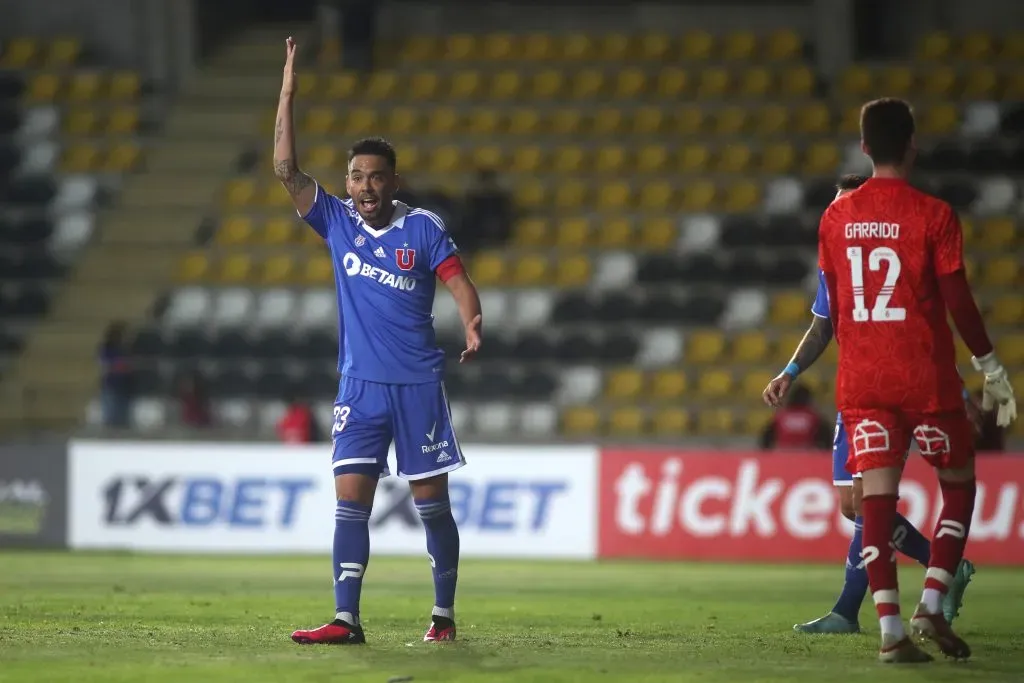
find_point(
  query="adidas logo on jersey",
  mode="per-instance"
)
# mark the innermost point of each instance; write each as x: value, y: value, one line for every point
x: 379, y: 252
x: 444, y: 457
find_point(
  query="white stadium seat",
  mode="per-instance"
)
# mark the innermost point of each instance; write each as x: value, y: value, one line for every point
x: 234, y: 413
x: 189, y: 307
x: 39, y: 122
x: 461, y: 417
x: 149, y: 414
x: 446, y: 313
x: 275, y: 308
x: 318, y: 309
x: 981, y: 120
x: 494, y: 418
x: 72, y: 232
x: 538, y: 419
x: 532, y: 309
x: 614, y: 271
x: 578, y: 385
x: 660, y: 347
x: 40, y: 157
x: 783, y: 195
x: 996, y: 196
x: 271, y: 412
x: 234, y: 307
x: 700, y: 233
x: 76, y: 192
x: 745, y: 308
x: 495, y: 302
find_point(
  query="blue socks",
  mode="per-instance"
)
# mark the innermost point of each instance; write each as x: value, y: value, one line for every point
x: 351, y: 555
x: 907, y: 539
x: 443, y: 550
x: 856, y: 585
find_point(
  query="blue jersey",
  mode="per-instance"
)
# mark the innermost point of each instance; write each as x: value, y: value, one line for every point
x: 820, y: 305
x: 385, y: 281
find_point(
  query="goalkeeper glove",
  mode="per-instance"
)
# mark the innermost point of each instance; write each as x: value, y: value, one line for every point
x: 997, y: 391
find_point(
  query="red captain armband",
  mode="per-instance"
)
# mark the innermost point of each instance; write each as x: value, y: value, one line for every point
x: 449, y: 268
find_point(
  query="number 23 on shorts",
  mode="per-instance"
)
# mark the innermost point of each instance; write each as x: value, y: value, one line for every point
x: 341, y: 414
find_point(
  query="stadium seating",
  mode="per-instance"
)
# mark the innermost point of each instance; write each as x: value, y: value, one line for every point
x: 667, y: 190
x: 67, y: 130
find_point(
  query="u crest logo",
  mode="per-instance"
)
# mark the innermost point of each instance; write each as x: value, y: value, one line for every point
x: 406, y: 258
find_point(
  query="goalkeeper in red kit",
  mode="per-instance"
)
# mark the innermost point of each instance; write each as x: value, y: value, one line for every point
x: 892, y: 258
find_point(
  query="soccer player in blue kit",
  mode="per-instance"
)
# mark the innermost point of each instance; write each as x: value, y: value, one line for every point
x: 843, y: 617
x: 387, y: 258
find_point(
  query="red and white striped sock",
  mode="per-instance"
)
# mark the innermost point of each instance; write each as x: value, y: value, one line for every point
x: 880, y: 562
x: 948, y: 541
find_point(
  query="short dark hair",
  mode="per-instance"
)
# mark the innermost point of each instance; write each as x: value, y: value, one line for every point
x: 886, y: 127
x: 850, y: 181
x: 376, y: 147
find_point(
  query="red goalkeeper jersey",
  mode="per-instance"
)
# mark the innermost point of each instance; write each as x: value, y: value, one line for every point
x: 882, y: 249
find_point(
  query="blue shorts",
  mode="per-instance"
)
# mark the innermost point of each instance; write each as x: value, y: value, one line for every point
x: 368, y: 416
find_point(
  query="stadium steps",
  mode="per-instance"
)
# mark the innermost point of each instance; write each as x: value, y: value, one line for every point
x: 140, y: 241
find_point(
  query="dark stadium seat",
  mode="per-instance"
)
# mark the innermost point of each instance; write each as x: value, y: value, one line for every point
x: 788, y: 269
x: 701, y: 308
x: 944, y: 156
x: 272, y: 383
x: 1012, y: 121
x: 620, y: 306
x: 790, y: 231
x: 28, y: 301
x: 575, y: 307
x: 148, y: 380
x: 148, y: 343
x: 271, y: 346
x: 702, y: 268
x: 659, y: 269
x: 745, y: 268
x: 618, y: 347
x: 742, y: 230
x: 229, y: 345
x: 818, y: 194
x: 30, y: 191
x: 30, y: 231
x: 189, y: 345
x: 9, y: 117
x: 35, y: 264
x: 533, y: 346
x: 958, y: 193
x: 10, y: 157
x: 536, y: 385
x: 10, y: 343
x: 494, y: 382
x: 230, y: 381
x: 12, y: 85
x: 577, y: 347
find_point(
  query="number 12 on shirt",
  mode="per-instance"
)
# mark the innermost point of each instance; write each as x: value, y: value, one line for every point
x: 880, y: 312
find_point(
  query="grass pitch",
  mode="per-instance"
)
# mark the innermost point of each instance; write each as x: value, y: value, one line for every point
x: 111, y: 618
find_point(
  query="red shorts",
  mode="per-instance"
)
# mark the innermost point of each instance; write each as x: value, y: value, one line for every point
x: 878, y: 438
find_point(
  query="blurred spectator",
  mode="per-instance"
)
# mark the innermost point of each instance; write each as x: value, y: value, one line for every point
x: 194, y: 400
x: 797, y: 425
x: 990, y: 437
x: 487, y: 218
x: 298, y: 424
x: 116, y: 376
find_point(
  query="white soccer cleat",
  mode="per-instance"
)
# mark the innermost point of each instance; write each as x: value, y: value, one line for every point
x: 901, y: 651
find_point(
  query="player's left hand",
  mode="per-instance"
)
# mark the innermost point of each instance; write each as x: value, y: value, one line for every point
x: 974, y: 414
x: 472, y: 339
x: 997, y: 392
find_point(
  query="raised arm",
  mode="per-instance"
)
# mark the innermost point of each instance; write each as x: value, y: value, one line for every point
x: 300, y: 186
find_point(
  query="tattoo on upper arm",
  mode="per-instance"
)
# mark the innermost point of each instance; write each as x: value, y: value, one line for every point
x: 278, y: 131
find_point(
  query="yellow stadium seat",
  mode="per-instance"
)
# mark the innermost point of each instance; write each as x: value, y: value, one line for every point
x: 624, y: 384
x: 896, y: 80
x: 194, y: 267
x: 446, y: 159
x: 821, y: 158
x: 786, y: 344
x: 360, y: 121
x: 749, y: 347
x: 716, y: 421
x: 668, y: 385
x: 977, y: 46
x: 505, y: 85
x: 278, y: 269
x: 756, y: 82
x: 648, y: 120
x: 417, y: 48
x: 341, y: 86
x: 658, y: 234
x: 526, y: 159
x: 403, y: 121
x: 739, y: 45
x: 1002, y: 271
x: 531, y: 232
x: 789, y: 307
x: 321, y: 157
x: 963, y: 354
x: 547, y: 84
x: 998, y: 233
x: 569, y: 159
x: 523, y: 122
x: 1011, y: 349
x: 588, y: 83
x: 80, y: 158
x: 443, y: 121
x: 652, y: 159
x: 856, y: 81
x: 693, y: 158
x: 319, y: 120
x: 572, y: 233
x: 84, y: 85
x: 784, y: 45
x: 20, y: 53
x: 124, y: 85
x: 657, y: 196
x: 704, y: 347
x: 771, y: 120
x: 531, y: 270
x: 741, y: 196
x: 310, y: 239
x: 571, y: 194
x: 935, y: 46
x: 610, y: 159
x: 734, y: 158
x: 465, y: 84
x: 755, y: 421
x: 1012, y: 49
x: 488, y: 268
x: 697, y: 45
x: 578, y: 47
x: 981, y: 83
x: 813, y: 118
x: 309, y: 85
x: 276, y: 197
x: 607, y: 121
x: 62, y: 52
x: 240, y: 192
x: 409, y: 158
x: 235, y: 230
x: 1013, y: 89
x: 615, y: 233
x: 672, y: 82
x: 688, y: 120
x: 278, y: 231
x: 971, y: 268
x: 939, y: 119
x: 461, y: 47
x: 754, y: 382
x: 614, y: 196
x: 778, y: 158
x: 235, y: 268
x: 565, y: 121
x: 122, y: 158
x: 123, y: 121
x: 798, y: 81
x: 531, y: 194
x: 731, y: 120
x: 499, y: 46
x: 581, y: 421
x: 939, y: 82
x: 630, y: 84
x: 699, y: 195
x: 614, y: 47
x: 670, y: 422
x: 44, y: 87
x: 654, y: 46
x: 318, y: 270
x: 713, y: 82
x: 538, y: 47
x: 850, y: 122
x: 423, y: 86
x: 627, y: 421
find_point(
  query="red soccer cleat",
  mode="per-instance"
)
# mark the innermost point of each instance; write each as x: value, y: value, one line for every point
x: 438, y: 634
x: 935, y: 628
x: 335, y: 633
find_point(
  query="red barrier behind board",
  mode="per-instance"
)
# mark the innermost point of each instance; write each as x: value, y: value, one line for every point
x: 777, y: 507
